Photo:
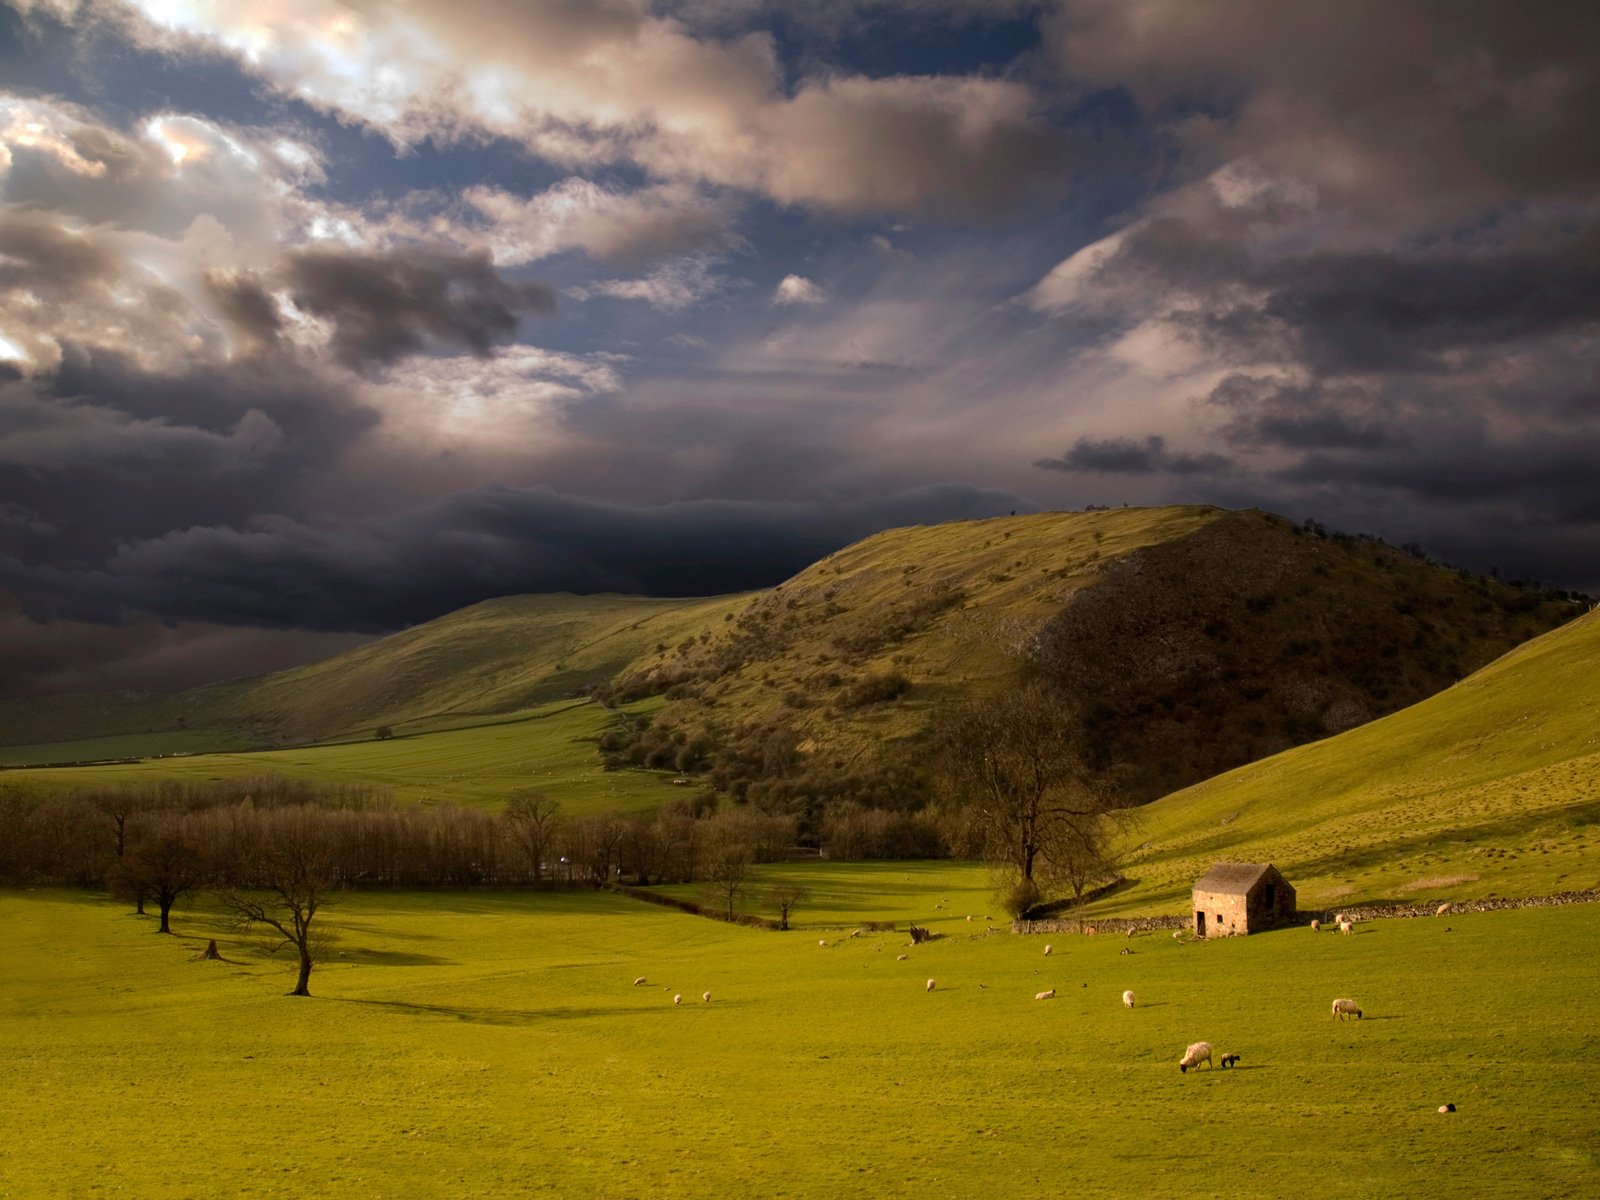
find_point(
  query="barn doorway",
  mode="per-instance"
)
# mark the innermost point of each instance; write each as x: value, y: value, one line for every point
x: 1200, y: 923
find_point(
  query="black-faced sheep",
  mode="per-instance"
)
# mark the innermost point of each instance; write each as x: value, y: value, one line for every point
x: 1199, y: 1052
x: 1047, y: 994
x: 1343, y: 1008
x: 1127, y: 999
x: 1229, y: 1060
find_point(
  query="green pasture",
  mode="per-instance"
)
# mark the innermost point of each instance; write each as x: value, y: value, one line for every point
x: 1491, y: 787
x: 494, y: 1045
x: 551, y: 748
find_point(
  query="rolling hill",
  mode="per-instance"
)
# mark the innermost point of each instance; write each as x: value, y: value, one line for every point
x: 1491, y: 787
x: 496, y: 657
x: 1193, y: 639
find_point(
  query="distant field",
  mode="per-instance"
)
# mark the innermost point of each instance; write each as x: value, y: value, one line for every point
x: 492, y: 1045
x: 550, y: 748
x: 1492, y: 787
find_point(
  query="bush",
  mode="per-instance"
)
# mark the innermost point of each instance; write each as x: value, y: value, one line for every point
x: 1018, y: 897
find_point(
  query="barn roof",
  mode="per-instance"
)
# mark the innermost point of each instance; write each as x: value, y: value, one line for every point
x: 1232, y: 877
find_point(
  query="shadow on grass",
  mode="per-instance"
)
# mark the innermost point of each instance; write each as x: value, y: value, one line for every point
x: 390, y: 958
x: 491, y: 1016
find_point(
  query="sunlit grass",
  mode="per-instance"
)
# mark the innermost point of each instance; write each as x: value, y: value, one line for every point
x: 494, y: 1045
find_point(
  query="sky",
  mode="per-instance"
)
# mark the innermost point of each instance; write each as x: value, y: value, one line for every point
x: 321, y: 318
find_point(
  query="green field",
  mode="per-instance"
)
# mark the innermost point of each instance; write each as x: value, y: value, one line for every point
x: 1492, y: 787
x: 493, y: 1045
x: 551, y: 748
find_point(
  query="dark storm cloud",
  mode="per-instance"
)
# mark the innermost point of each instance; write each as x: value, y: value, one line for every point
x: 467, y: 547
x: 1269, y: 412
x: 1125, y: 456
x: 1389, y: 106
x: 247, y: 306
x: 105, y: 452
x: 385, y: 306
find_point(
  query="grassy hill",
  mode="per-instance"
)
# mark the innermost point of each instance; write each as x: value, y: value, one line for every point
x: 1491, y: 787
x: 495, y: 657
x: 1194, y: 639
x: 551, y: 748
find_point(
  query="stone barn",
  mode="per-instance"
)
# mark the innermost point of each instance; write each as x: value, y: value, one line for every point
x: 1238, y: 898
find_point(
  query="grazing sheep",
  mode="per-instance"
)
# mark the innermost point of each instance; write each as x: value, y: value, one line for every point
x: 1047, y: 994
x: 969, y: 916
x: 1315, y: 925
x: 677, y: 999
x: 1343, y: 1008
x: 1199, y: 1052
x: 1346, y: 927
x: 1089, y: 931
x: 930, y: 985
x: 822, y: 941
x: 1229, y: 1060
x: 901, y: 957
x: 1125, y: 950
x: 1442, y: 909
x: 639, y: 982
x: 706, y: 996
x: 1127, y: 999
x: 1447, y: 1108
x: 1047, y: 950
x: 1177, y: 935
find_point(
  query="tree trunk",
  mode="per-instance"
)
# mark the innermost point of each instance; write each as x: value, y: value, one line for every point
x: 166, y: 910
x: 139, y: 904
x: 211, y: 950
x: 302, y: 985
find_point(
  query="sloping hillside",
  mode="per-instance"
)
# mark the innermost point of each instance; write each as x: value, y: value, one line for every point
x: 1194, y: 639
x: 1491, y: 787
x: 497, y: 656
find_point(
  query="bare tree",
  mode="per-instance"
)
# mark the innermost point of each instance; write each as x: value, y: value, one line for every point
x: 727, y: 871
x: 532, y: 819
x: 1015, y: 759
x: 785, y: 897
x: 283, y: 879
x: 165, y: 867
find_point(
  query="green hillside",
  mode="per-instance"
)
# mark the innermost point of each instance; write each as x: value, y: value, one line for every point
x: 1490, y: 788
x: 551, y: 748
x: 498, y: 656
x: 1194, y: 639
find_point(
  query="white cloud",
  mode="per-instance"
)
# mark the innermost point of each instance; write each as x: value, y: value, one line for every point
x: 611, y: 82
x: 797, y: 289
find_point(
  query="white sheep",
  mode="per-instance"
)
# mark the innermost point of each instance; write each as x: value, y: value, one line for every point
x: 677, y: 999
x: 1199, y: 1052
x: 901, y: 957
x: 1315, y: 925
x: 639, y: 982
x: 706, y: 996
x: 1047, y: 950
x: 1047, y: 994
x: 1442, y: 909
x: 930, y: 985
x: 1346, y: 927
x: 822, y: 941
x: 1343, y: 1008
x: 1127, y: 999
x: 969, y: 916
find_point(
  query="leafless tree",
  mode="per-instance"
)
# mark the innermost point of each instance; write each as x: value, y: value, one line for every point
x: 283, y: 878
x: 532, y: 819
x: 164, y: 866
x: 785, y: 897
x: 727, y: 870
x: 1015, y: 759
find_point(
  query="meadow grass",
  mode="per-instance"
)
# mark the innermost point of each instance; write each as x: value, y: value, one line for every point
x: 551, y: 748
x: 493, y: 1045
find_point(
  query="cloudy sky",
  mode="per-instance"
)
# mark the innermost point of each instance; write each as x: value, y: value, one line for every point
x: 323, y: 317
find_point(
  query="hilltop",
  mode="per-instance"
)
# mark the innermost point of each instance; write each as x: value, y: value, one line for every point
x: 1193, y: 639
x: 1491, y: 787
